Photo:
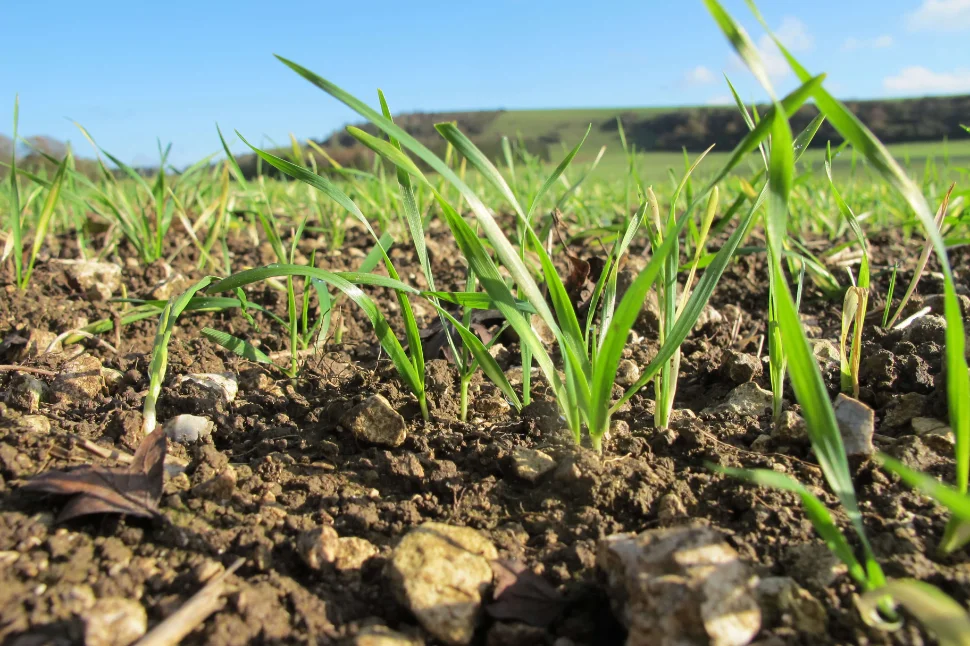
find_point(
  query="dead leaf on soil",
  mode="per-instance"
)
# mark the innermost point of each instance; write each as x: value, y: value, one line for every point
x: 435, y: 341
x: 522, y: 595
x: 134, y: 489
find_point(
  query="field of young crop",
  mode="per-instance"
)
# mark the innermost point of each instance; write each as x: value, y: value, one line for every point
x: 512, y: 403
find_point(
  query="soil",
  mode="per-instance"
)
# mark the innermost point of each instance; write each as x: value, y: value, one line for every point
x: 297, y: 468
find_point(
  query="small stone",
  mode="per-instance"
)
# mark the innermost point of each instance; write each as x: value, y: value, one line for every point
x: 374, y: 421
x: 709, y: 317
x: 826, y: 353
x: 440, y: 573
x: 34, y: 424
x: 501, y: 355
x: 741, y: 367
x: 26, y: 392
x: 79, y: 379
x: 98, y: 281
x: 747, y: 399
x: 318, y: 546
x: 927, y: 329
x: 383, y: 636
x: 112, y: 377
x: 114, y: 621
x: 627, y: 373
x: 224, y: 385
x: 683, y: 585
x: 937, y: 435
x: 904, y: 410
x: 781, y: 596
x: 761, y: 444
x: 38, y: 342
x: 671, y: 508
x: 188, y: 429
x: 856, y: 423
x: 173, y: 285
x: 353, y: 552
x: 531, y: 464
x: 790, y: 428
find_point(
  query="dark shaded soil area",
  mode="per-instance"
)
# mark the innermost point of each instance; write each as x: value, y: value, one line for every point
x: 295, y: 467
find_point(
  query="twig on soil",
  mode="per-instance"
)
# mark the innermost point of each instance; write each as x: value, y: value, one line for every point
x: 173, y: 466
x: 192, y: 613
x: 36, y: 371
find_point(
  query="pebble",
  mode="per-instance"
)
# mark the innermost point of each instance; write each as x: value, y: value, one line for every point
x: 741, y: 367
x: 318, y: 546
x: 79, y: 379
x: 531, y: 464
x: 781, y: 597
x: 627, y: 373
x: 904, y: 409
x: 98, y: 281
x: 680, y: 586
x: 383, y: 636
x: 856, y: 423
x: 440, y: 572
x: 790, y: 428
x: 188, y: 429
x: 376, y: 422
x: 937, y: 435
x: 826, y: 352
x: 224, y: 385
x: 114, y: 621
x: 747, y: 399
x: 353, y: 552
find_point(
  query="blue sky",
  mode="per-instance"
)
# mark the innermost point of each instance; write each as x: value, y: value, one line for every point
x: 133, y: 71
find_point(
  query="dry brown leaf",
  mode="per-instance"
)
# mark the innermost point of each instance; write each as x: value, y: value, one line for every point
x: 134, y: 489
x: 522, y: 595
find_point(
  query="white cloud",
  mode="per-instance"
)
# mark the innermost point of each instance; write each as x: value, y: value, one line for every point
x: 940, y: 15
x: 879, y: 42
x: 918, y: 79
x: 700, y: 75
x: 720, y: 99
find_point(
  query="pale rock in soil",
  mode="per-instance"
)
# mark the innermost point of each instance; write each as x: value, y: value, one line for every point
x: 35, y: 424
x: 173, y: 285
x: 680, y: 586
x: 37, y: 343
x: 384, y: 636
x: 826, y: 352
x: 98, y: 281
x: 353, y: 552
x: 790, y: 428
x: 671, y: 508
x: 26, y: 392
x: 501, y: 355
x: 856, y: 423
x: 937, y: 435
x: 112, y: 378
x: 741, y: 367
x: 376, y: 422
x: 627, y: 373
x: 224, y: 385
x: 747, y: 399
x: 708, y: 317
x: 440, y: 573
x: 188, y: 429
x: 531, y: 464
x: 318, y: 546
x: 782, y: 598
x: 79, y: 379
x: 114, y: 621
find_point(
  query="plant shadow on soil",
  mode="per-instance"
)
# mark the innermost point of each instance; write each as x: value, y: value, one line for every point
x: 296, y: 468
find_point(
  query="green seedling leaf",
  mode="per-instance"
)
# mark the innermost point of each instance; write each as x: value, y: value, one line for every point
x: 234, y: 344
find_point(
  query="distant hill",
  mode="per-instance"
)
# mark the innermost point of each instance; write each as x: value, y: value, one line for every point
x: 546, y: 132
